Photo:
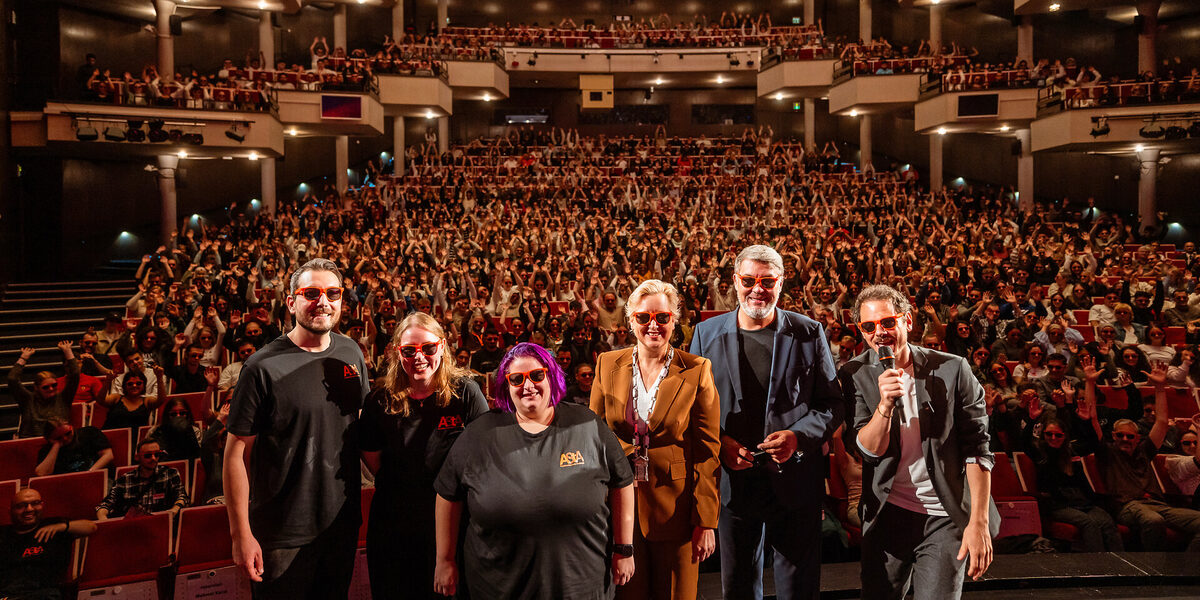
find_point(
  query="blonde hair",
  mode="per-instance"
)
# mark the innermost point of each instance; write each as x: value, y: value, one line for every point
x: 651, y: 287
x: 395, y: 381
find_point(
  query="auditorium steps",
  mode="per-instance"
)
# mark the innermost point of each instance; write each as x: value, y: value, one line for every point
x: 39, y: 315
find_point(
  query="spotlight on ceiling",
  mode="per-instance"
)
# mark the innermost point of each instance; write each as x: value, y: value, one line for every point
x: 1101, y: 127
x: 733, y: 60
x: 157, y: 134
x: 86, y: 132
x: 114, y: 134
x: 135, y: 133
x: 532, y: 60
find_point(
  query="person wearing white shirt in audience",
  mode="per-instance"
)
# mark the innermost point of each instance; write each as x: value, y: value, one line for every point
x: 1185, y: 469
x: 230, y: 374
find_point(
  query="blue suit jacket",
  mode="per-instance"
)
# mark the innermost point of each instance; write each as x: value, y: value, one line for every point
x: 804, y: 396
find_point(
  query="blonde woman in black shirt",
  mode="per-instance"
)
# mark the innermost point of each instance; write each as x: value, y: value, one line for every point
x: 408, y: 426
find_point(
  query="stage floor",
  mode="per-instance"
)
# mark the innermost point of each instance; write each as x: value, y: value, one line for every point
x: 1127, y: 575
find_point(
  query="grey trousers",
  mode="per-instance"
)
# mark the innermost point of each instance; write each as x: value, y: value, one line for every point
x: 903, y: 549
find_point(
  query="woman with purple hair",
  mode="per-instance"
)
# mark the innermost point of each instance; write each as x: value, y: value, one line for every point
x: 548, y: 488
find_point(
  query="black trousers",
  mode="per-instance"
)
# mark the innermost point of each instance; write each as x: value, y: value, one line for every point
x: 320, y: 569
x: 904, y: 549
x: 793, y: 533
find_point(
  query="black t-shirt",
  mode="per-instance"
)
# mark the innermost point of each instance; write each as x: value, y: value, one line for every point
x: 302, y: 406
x: 185, y: 382
x: 578, y: 396
x: 539, y: 523
x: 27, y: 565
x: 758, y: 348
x: 81, y: 454
x: 414, y: 447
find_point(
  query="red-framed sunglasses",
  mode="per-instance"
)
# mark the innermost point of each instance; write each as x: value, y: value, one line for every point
x: 312, y: 294
x: 885, y: 323
x: 518, y: 379
x: 749, y: 281
x: 644, y: 317
x: 428, y: 349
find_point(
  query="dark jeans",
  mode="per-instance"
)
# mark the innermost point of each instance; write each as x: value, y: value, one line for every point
x: 320, y: 569
x: 1096, y: 528
x: 903, y: 549
x: 1150, y: 519
x: 793, y: 533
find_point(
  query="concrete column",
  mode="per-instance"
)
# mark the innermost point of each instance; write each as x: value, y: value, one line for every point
x: 443, y: 134
x: 936, y: 13
x: 341, y: 162
x: 398, y: 21
x: 398, y: 143
x: 339, y: 28
x: 443, y: 11
x: 1025, y: 191
x: 163, y: 9
x: 864, y: 20
x: 810, y: 12
x: 1147, y: 188
x: 267, y: 193
x: 810, y: 120
x: 864, y: 141
x: 266, y: 39
x: 167, y: 164
x: 935, y: 162
x: 1147, y: 55
x: 1025, y: 40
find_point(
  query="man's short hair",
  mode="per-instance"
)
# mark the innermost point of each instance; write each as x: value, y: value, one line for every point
x: 316, y: 264
x: 1057, y: 356
x: 762, y: 254
x: 1124, y: 423
x: 142, y: 443
x: 881, y: 292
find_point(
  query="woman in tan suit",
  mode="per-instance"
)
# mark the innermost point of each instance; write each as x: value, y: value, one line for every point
x: 663, y: 406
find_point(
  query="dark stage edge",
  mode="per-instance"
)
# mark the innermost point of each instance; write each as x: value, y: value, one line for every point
x: 1125, y: 575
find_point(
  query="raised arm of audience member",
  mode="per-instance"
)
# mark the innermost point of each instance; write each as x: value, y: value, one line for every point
x: 1158, y: 378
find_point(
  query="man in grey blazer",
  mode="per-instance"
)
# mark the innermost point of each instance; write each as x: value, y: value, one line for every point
x: 780, y: 402
x: 922, y: 429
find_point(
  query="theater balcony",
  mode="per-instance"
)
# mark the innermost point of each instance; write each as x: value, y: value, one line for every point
x: 105, y: 130
x: 528, y: 66
x: 797, y: 75
x: 1172, y: 129
x: 477, y: 80
x: 416, y: 95
x: 330, y: 113
x: 866, y: 88
x: 981, y: 107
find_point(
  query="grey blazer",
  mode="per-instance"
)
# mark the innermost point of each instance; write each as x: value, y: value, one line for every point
x: 954, y: 427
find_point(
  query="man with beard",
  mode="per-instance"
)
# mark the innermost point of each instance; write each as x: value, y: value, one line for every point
x: 780, y: 401
x: 34, y: 552
x: 291, y: 448
x: 920, y: 420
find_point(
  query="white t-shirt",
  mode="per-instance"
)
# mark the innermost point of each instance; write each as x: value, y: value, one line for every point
x: 912, y: 489
x: 1184, y: 472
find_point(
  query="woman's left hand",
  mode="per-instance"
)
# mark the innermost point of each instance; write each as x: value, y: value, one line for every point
x: 704, y: 542
x: 622, y: 568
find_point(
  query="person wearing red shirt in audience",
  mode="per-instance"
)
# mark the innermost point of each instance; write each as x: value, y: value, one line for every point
x: 35, y: 553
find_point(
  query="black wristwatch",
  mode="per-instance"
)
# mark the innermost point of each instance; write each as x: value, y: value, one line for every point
x: 623, y: 549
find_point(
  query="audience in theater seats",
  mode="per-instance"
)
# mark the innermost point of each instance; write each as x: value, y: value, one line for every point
x: 177, y: 433
x: 35, y: 553
x: 1184, y: 469
x: 242, y: 350
x: 147, y: 489
x: 134, y: 363
x: 131, y: 407
x: 69, y: 449
x: 47, y: 402
x: 1126, y: 462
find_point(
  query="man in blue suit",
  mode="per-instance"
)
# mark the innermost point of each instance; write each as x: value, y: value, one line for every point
x: 780, y: 401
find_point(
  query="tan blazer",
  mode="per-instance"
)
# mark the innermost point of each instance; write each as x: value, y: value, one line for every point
x: 684, y: 441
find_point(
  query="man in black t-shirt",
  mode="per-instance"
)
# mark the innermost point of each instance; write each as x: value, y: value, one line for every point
x: 35, y: 553
x: 70, y: 450
x: 291, y: 467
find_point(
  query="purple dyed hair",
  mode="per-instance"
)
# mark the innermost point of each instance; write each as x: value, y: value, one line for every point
x: 558, y: 382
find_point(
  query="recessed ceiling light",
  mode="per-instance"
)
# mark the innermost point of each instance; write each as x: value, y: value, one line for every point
x: 1055, y: 6
x: 854, y: 112
x: 1138, y: 148
x: 658, y: 81
x: 253, y: 156
x: 183, y: 154
x: 720, y: 80
x: 1004, y: 128
x: 779, y: 95
x: 941, y: 131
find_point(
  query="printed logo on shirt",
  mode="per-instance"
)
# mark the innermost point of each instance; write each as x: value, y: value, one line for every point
x: 33, y: 551
x: 570, y: 459
x: 450, y: 422
x: 350, y: 372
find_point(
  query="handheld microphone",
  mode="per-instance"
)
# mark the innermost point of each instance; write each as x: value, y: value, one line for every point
x: 888, y: 360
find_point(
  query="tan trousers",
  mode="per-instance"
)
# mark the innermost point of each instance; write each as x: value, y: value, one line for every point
x: 662, y: 571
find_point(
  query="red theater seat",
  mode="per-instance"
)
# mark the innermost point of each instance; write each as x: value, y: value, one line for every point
x: 8, y: 489
x: 121, y: 446
x: 18, y: 458
x: 204, y: 541
x: 125, y: 551
x: 71, y: 495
